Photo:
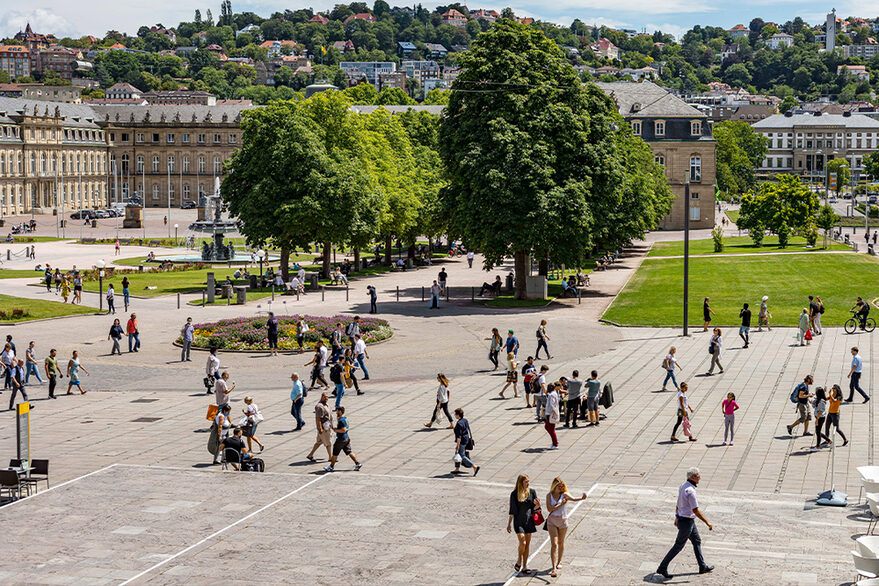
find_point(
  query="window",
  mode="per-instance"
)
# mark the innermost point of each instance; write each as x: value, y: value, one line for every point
x: 155, y: 191
x: 124, y: 137
x: 155, y: 163
x: 201, y: 139
x: 201, y: 190
x: 155, y: 137
x: 695, y: 128
x: 112, y: 136
x: 170, y: 192
x: 660, y: 159
x: 186, y: 164
x: 696, y: 169
x: 170, y: 164
x: 217, y: 139
x: 138, y: 137
x: 43, y: 163
x: 170, y: 138
x: 694, y: 195
x: 125, y: 164
x: 201, y: 165
x: 659, y: 126
x: 695, y: 216
x: 218, y: 166
x: 185, y: 137
x: 2, y: 164
x: 140, y: 163
x: 233, y: 138
x: 185, y: 192
x: 636, y: 128
x: 34, y: 163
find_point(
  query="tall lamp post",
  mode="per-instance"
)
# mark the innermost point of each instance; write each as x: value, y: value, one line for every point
x: 100, y: 264
x: 175, y: 234
x: 260, y: 254
x: 686, y: 251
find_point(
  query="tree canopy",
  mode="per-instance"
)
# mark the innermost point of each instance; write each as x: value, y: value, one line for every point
x: 739, y: 151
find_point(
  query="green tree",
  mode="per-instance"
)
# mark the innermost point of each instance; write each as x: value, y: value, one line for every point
x: 787, y: 103
x: 826, y: 220
x: 843, y: 172
x: 534, y: 167
x: 362, y: 94
x: 393, y: 96
x: 739, y: 151
x: 437, y: 97
x: 782, y: 206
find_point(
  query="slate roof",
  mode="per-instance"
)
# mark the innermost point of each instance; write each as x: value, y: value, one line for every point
x: 186, y: 112
x: 647, y: 100
x: 859, y: 121
x: 69, y: 112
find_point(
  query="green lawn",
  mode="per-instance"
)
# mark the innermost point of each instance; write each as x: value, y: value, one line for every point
x: 166, y: 283
x: 653, y: 297
x: 251, y: 296
x: 39, y: 309
x: 133, y: 261
x: 733, y: 215
x: 20, y: 273
x: 740, y: 245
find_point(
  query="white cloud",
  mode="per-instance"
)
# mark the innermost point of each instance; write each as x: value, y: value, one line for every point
x: 40, y: 19
x: 676, y: 30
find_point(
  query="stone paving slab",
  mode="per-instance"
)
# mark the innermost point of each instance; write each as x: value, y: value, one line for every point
x: 161, y: 525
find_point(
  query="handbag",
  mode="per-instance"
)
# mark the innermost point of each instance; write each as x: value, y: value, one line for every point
x: 711, y: 348
x: 348, y: 382
x: 212, y: 412
x: 538, y: 516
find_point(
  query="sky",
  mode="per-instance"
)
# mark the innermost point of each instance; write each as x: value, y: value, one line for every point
x: 96, y: 17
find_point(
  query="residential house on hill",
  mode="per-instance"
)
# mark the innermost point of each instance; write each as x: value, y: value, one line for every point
x: 320, y: 19
x: 360, y: 16
x: 454, y: 18
x: 739, y: 31
x: 605, y: 49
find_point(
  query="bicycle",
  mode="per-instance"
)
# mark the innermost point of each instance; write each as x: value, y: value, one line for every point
x: 853, y: 323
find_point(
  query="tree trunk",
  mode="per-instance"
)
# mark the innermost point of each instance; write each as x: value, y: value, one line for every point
x: 411, y: 252
x: 356, y: 259
x: 285, y: 262
x: 430, y: 248
x: 328, y: 250
x: 388, y: 249
x: 520, y: 261
x: 543, y: 267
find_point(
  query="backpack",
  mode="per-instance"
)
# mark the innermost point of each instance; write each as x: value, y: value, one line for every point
x: 336, y: 373
x: 794, y: 397
x: 349, y: 330
x: 539, y: 334
x: 821, y: 308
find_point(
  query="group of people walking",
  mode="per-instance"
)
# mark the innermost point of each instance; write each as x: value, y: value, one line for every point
x: 17, y: 371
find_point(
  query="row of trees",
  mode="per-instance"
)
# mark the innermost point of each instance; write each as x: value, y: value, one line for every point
x: 526, y: 161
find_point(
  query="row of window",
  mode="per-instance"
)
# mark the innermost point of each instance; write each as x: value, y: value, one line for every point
x: 659, y: 128
x: 821, y: 134
x: 817, y: 164
x: 171, y: 167
x: 157, y: 189
x: 72, y: 194
x: 171, y: 138
x: 91, y: 163
x: 695, y: 166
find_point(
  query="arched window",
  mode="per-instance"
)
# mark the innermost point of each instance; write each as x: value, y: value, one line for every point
x: 140, y: 163
x: 155, y: 163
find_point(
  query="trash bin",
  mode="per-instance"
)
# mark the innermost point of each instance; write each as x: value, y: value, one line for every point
x: 227, y: 292
x: 240, y: 295
x: 139, y: 268
x: 312, y: 281
x: 94, y: 223
x: 253, y: 281
x: 510, y: 282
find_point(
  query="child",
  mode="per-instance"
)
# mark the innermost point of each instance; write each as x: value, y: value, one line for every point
x: 729, y: 408
x: 512, y: 375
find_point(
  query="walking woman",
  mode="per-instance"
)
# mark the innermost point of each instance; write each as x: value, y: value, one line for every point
x: 683, y: 406
x: 73, y: 367
x: 301, y: 328
x: 251, y: 411
x: 349, y: 370
x: 512, y: 375
x: 65, y: 288
x: 820, y: 417
x: 833, y: 415
x: 553, y: 414
x: 729, y: 407
x: 125, y: 292
x: 77, y: 288
x: 442, y: 401
x: 223, y: 425
x: 523, y: 505
x: 715, y: 347
x: 669, y: 365
x: 115, y: 334
x: 764, y: 316
x: 803, y: 327
x: 463, y: 444
x: 557, y: 521
x: 707, y: 312
x: 494, y: 349
x: 542, y: 339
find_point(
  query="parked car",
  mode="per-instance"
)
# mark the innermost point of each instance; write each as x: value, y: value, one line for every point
x: 82, y: 215
x: 101, y: 214
x: 846, y: 196
x: 833, y: 199
x: 187, y: 205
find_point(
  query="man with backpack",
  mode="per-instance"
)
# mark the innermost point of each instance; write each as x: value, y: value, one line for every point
x: 800, y: 396
x: 336, y: 342
x: 336, y: 379
x: 353, y: 330
x: 814, y: 316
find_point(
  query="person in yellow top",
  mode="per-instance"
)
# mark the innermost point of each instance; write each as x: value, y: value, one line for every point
x: 65, y: 288
x: 834, y: 401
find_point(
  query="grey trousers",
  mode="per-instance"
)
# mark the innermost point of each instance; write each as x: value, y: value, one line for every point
x: 184, y: 353
x: 729, y: 421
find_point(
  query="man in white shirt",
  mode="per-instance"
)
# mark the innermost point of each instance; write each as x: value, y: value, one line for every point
x: 855, y: 377
x: 222, y: 389
x: 8, y: 360
x: 470, y: 256
x: 212, y: 369
x: 540, y: 389
x: 360, y: 353
x: 686, y: 512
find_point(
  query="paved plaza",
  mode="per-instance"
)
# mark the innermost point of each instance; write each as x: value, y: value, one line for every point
x: 143, y: 504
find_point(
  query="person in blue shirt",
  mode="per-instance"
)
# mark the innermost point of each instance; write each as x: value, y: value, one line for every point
x: 512, y: 343
x: 855, y: 377
x: 296, y: 397
x: 343, y: 442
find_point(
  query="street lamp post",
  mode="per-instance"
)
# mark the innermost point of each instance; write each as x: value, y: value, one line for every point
x: 175, y: 234
x: 260, y: 254
x: 100, y: 264
x: 686, y: 251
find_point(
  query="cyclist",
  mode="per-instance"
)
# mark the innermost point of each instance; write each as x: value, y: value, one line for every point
x: 861, y: 310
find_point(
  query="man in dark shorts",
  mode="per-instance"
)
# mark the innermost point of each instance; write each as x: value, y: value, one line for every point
x: 343, y: 442
x: 745, y: 328
x: 235, y: 442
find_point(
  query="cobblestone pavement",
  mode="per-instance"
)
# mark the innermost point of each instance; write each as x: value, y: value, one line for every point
x: 147, y: 409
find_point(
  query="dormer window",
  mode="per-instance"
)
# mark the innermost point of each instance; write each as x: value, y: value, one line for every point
x: 636, y: 128
x: 695, y: 128
x: 636, y: 107
x: 659, y: 127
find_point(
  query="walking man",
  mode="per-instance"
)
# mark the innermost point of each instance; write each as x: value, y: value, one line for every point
x: 359, y: 354
x: 212, y: 370
x: 343, y: 442
x: 17, y: 379
x: 188, y: 332
x: 470, y: 256
x: 434, y: 295
x: 512, y: 343
x: 111, y: 296
x: 323, y: 422
x: 854, y: 376
x: 372, y: 298
x: 442, y: 279
x: 272, y: 333
x: 813, y: 315
x: 31, y: 364
x: 745, y: 328
x: 336, y: 342
x: 573, y: 406
x: 133, y: 334
x: 52, y: 371
x: 686, y: 512
x: 296, y: 400
x: 804, y: 414
x: 540, y: 389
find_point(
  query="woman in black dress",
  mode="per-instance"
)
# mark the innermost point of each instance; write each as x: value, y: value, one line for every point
x: 707, y: 313
x: 523, y: 504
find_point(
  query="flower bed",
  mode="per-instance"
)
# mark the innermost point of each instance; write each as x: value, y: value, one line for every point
x: 249, y: 333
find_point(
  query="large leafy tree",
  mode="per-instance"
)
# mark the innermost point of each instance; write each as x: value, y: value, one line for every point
x: 739, y: 151
x: 535, y: 159
x: 782, y: 207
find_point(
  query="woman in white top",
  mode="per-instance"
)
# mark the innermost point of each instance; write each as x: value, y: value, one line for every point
x: 442, y: 401
x: 553, y: 414
x: 251, y: 411
x: 683, y: 405
x: 669, y: 365
x: 715, y: 348
x: 557, y: 521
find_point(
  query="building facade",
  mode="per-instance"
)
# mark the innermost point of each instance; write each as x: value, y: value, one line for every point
x: 861, y: 51
x: 15, y: 60
x: 801, y: 144
x: 681, y: 141
x: 369, y: 70
x: 53, y: 157
x: 168, y: 154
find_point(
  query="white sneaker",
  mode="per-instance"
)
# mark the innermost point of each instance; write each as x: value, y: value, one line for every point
x: 553, y: 447
x: 358, y: 466
x: 329, y: 469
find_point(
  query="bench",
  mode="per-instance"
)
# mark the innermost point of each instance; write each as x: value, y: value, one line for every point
x: 88, y: 240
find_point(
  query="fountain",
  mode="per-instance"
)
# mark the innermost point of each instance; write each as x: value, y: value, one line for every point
x: 217, y: 250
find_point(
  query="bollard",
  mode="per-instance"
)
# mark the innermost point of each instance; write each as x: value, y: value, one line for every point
x: 447, y: 294
x: 273, y: 291
x: 297, y: 294
x: 422, y: 292
x: 346, y: 292
x: 472, y: 295
x: 8, y: 254
x: 178, y: 301
x: 322, y: 289
x: 578, y: 299
x: 229, y: 300
x: 202, y: 297
x: 398, y: 292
